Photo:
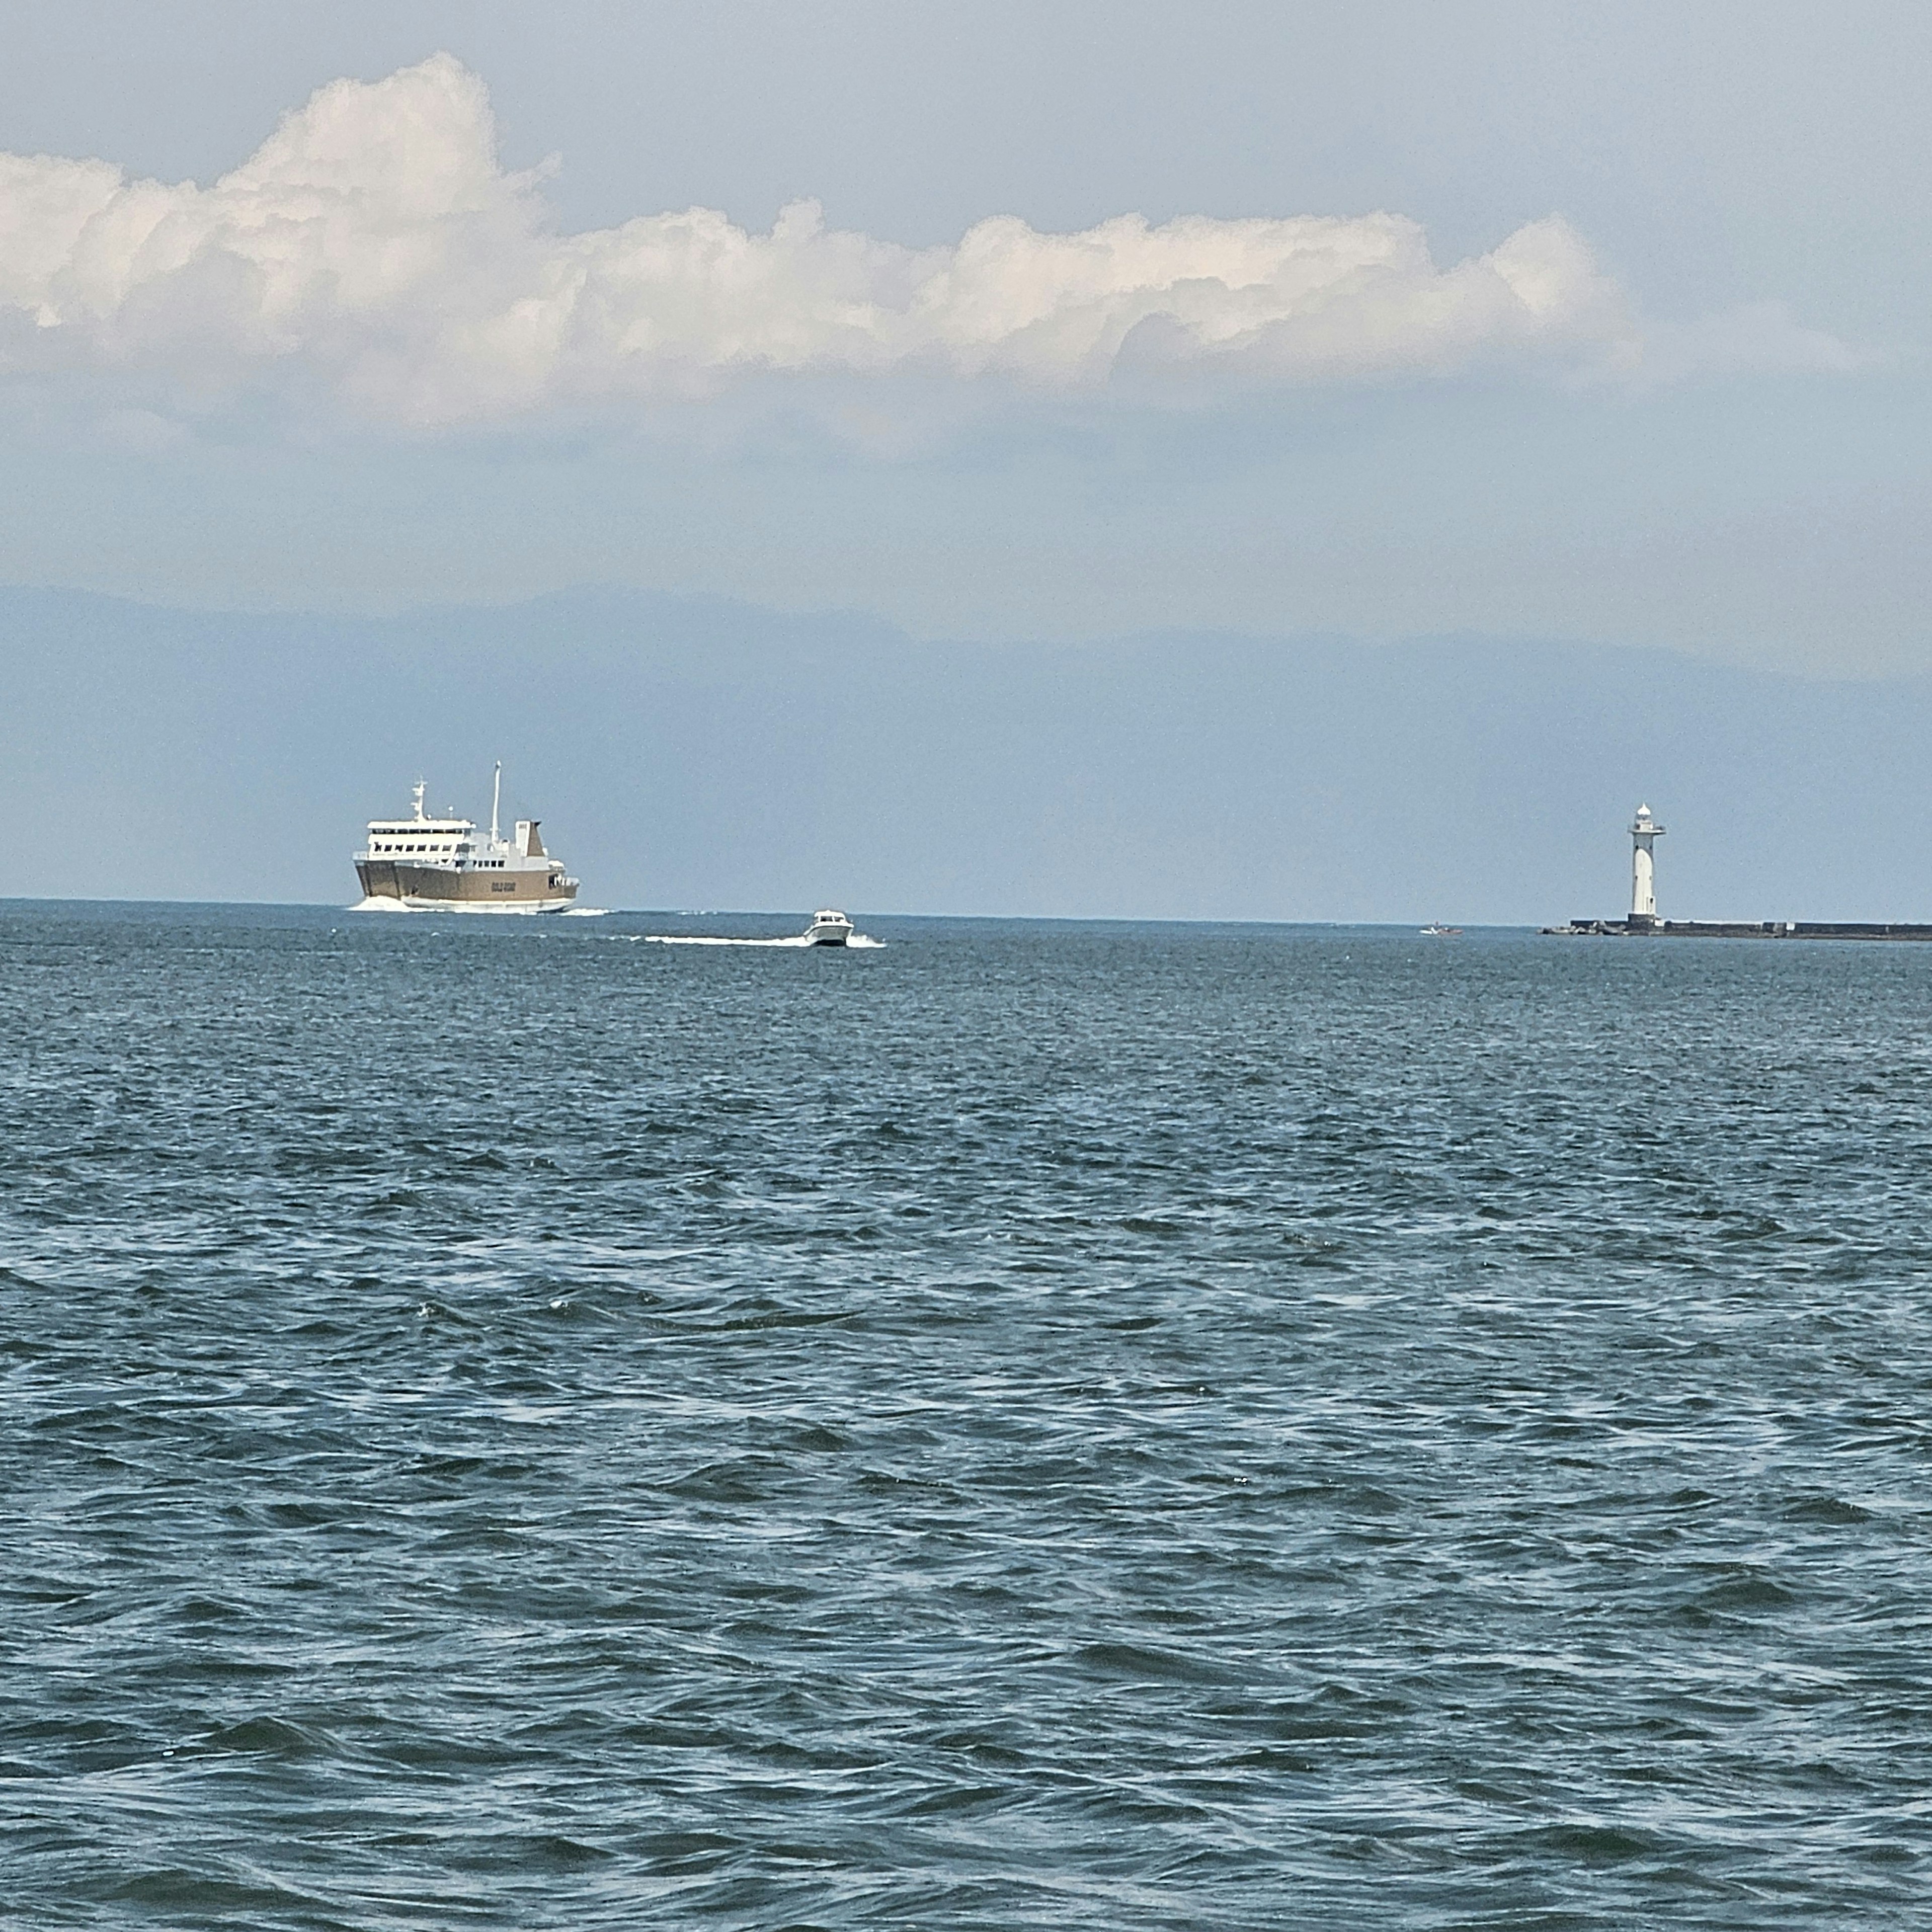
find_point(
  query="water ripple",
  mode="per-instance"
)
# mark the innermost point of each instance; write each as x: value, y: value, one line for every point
x: 1019, y: 1427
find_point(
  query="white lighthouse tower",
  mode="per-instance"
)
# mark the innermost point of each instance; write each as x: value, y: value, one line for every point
x: 1645, y: 832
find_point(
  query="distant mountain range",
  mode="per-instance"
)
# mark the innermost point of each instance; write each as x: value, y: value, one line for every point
x: 694, y: 753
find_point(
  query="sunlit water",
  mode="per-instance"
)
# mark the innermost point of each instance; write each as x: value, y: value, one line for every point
x: 509, y: 1425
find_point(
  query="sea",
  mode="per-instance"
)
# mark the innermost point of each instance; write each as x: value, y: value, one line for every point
x: 515, y: 1423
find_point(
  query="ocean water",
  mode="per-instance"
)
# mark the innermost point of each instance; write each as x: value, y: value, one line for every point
x: 510, y: 1425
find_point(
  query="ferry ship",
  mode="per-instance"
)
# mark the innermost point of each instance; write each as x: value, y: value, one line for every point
x: 422, y: 864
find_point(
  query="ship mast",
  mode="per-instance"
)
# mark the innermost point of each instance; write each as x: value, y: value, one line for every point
x: 495, y: 794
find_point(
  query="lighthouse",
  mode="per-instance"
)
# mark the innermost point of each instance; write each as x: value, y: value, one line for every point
x: 1645, y: 832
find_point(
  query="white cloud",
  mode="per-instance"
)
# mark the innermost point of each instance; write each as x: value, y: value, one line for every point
x: 373, y: 247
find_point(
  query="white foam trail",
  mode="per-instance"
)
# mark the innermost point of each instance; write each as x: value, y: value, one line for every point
x: 379, y: 905
x: 695, y: 939
x: 585, y: 912
x: 798, y: 942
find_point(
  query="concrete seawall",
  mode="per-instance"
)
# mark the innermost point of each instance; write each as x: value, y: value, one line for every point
x: 1717, y: 928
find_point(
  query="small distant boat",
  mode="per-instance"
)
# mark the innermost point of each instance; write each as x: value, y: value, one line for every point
x: 828, y: 928
x: 1434, y: 929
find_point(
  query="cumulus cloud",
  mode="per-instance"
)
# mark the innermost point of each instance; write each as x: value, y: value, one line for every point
x: 374, y: 248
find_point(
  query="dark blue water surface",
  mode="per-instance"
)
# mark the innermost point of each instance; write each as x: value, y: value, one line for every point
x: 509, y: 1424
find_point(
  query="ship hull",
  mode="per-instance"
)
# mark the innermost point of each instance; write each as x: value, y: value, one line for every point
x: 434, y: 889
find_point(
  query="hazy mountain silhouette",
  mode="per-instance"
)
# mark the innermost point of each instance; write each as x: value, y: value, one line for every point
x: 693, y: 752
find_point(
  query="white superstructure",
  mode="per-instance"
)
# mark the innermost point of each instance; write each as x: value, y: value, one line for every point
x: 423, y: 863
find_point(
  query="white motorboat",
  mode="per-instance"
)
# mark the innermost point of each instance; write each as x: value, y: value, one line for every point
x: 828, y: 928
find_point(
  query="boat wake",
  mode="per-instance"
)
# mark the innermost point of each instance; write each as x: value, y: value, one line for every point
x: 585, y: 912
x: 796, y: 942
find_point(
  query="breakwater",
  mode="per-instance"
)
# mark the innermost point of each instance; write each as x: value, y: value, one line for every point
x: 1638, y: 928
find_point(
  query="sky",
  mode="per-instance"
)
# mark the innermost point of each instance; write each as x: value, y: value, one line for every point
x: 998, y: 322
